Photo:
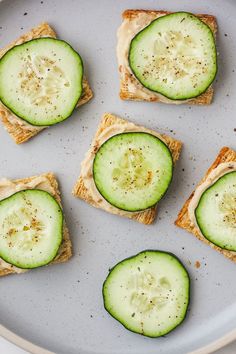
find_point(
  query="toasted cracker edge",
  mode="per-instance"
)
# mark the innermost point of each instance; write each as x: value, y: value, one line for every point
x: 225, y: 155
x: 65, y: 250
x: 22, y: 131
x: 204, y: 99
x: 145, y: 217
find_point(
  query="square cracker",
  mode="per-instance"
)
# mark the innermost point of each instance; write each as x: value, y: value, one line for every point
x: 147, y: 216
x: 64, y: 252
x: 20, y: 130
x: 126, y: 78
x: 225, y: 155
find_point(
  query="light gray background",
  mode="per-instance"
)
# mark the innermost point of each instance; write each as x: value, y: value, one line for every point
x: 60, y: 307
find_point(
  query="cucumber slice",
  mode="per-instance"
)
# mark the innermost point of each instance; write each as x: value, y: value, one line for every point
x: 175, y: 56
x: 132, y: 171
x: 31, y: 224
x: 41, y: 80
x: 148, y: 293
x: 216, y: 212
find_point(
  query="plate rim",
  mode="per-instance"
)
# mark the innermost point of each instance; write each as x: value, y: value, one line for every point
x: 32, y: 348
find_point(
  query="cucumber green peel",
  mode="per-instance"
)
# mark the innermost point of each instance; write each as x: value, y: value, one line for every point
x: 216, y: 212
x: 31, y: 228
x: 175, y: 56
x: 41, y: 80
x: 148, y: 293
x: 133, y: 170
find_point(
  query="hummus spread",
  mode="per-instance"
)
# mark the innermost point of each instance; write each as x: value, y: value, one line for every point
x: 14, y: 120
x: 125, y: 34
x: 87, y: 164
x: 213, y: 176
x: 7, y: 188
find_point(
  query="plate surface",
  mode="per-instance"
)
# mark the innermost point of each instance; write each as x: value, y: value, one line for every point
x: 60, y: 307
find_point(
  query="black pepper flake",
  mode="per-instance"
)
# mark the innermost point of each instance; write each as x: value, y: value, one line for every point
x: 26, y: 13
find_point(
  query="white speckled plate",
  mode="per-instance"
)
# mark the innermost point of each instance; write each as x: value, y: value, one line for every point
x: 60, y: 308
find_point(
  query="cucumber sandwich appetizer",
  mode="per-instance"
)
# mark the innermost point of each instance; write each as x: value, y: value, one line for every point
x: 132, y: 171
x: 32, y: 226
x: 210, y: 212
x: 148, y: 293
x: 167, y: 57
x: 41, y: 82
x: 127, y: 169
x: 216, y: 212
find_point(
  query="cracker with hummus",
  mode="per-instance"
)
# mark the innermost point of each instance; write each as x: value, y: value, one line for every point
x: 172, y: 55
x: 224, y: 164
x: 130, y: 169
x: 46, y: 183
x: 22, y: 130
